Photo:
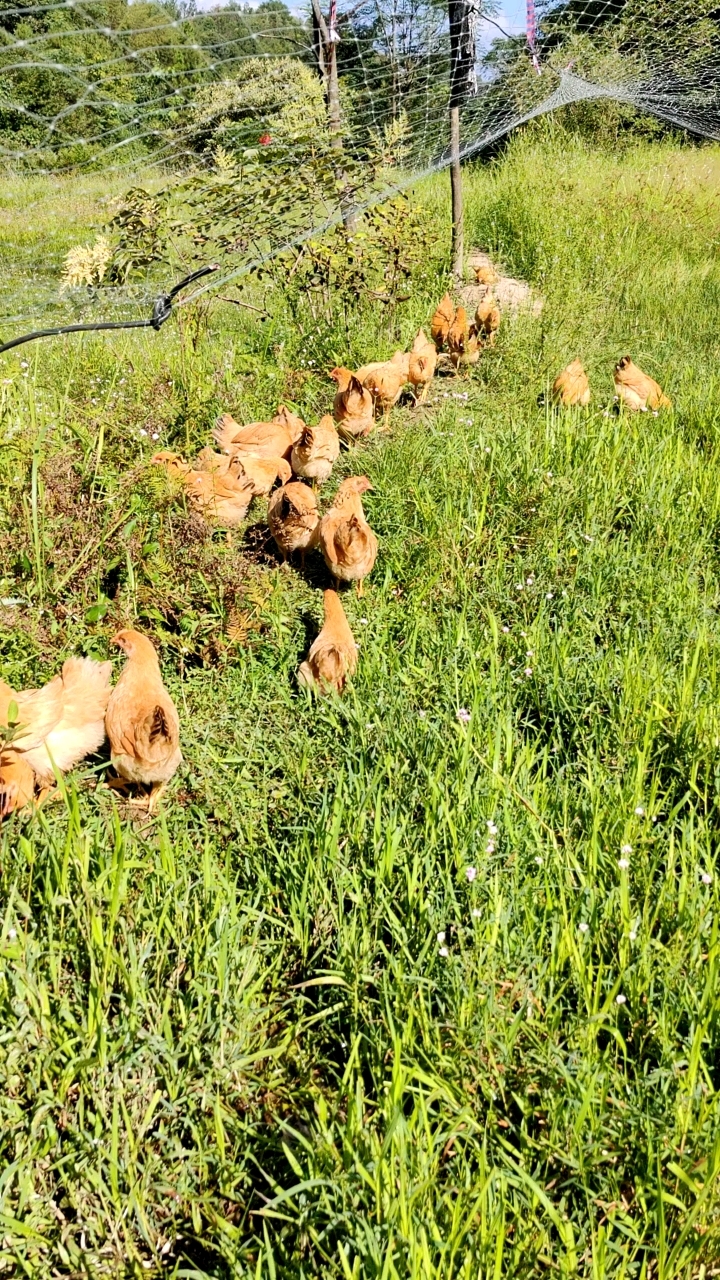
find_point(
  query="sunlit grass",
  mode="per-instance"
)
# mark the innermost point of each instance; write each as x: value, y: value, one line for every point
x: 230, y: 1043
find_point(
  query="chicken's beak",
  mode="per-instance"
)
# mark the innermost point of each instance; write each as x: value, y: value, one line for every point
x: 118, y: 640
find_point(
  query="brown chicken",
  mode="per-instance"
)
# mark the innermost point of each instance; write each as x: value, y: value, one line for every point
x: 17, y: 782
x: 260, y: 472
x: 220, y: 497
x: 441, y: 321
x: 353, y: 409
x: 333, y: 655
x: 487, y: 318
x: 486, y: 275
x: 315, y: 452
x: 262, y: 439
x: 291, y: 421
x: 422, y: 364
x: 571, y: 386
x: 385, y: 380
x: 635, y: 390
x: 58, y: 724
x: 141, y: 720
x: 207, y: 460
x: 344, y: 536
x: 293, y: 517
x: 462, y: 342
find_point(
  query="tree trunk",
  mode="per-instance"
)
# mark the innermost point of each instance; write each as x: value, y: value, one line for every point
x: 458, y: 246
x: 333, y: 96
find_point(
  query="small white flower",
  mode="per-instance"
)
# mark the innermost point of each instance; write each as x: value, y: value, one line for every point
x: 476, y: 912
x: 143, y: 433
x: 23, y: 364
x: 530, y: 580
x: 422, y: 715
x: 156, y: 435
x: 487, y: 448
x: 623, y: 864
x: 530, y: 653
x: 363, y: 622
x: 632, y: 935
x: 706, y: 877
x: 463, y: 715
x: 491, y: 827
x: 470, y: 873
x: 490, y: 847
x: 621, y: 999
x: 539, y: 860
x: 443, y: 951
x: 505, y: 630
x: 548, y: 595
x: 441, y: 936
x: 12, y: 933
x: 518, y: 586
x: 640, y: 811
x: 583, y: 926
x: 528, y: 672
x: 626, y: 848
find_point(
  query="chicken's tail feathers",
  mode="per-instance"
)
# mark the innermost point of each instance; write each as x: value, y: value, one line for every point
x: 86, y: 689
x: 158, y: 726
x: 224, y: 431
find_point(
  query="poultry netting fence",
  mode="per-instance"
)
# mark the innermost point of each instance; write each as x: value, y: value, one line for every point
x: 226, y: 135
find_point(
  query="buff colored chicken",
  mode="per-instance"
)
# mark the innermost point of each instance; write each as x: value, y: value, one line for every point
x: 17, y: 782
x: 353, y: 408
x: 487, y: 317
x: 422, y: 364
x: 571, y: 386
x: 347, y: 542
x: 293, y: 517
x: 261, y: 439
x: 635, y: 390
x: 292, y: 421
x: 220, y: 497
x: 385, y: 379
x: 441, y: 321
x: 315, y: 452
x: 141, y: 720
x: 486, y: 275
x: 260, y: 472
x: 462, y: 343
x: 333, y: 655
x: 57, y: 725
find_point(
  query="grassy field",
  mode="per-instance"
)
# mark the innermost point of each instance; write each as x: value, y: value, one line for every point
x: 282, y: 1029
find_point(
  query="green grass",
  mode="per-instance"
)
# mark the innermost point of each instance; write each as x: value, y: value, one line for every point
x: 229, y: 1044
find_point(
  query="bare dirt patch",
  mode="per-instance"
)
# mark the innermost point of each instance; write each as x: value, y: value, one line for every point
x: 512, y: 294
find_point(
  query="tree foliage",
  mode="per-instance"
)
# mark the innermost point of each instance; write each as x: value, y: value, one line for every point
x: 111, y: 81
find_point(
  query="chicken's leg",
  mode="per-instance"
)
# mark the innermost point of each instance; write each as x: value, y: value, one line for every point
x: 156, y: 791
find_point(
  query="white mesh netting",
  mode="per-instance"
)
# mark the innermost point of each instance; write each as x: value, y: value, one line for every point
x: 234, y: 112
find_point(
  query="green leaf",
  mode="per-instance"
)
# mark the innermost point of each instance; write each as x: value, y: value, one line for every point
x: 97, y: 611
